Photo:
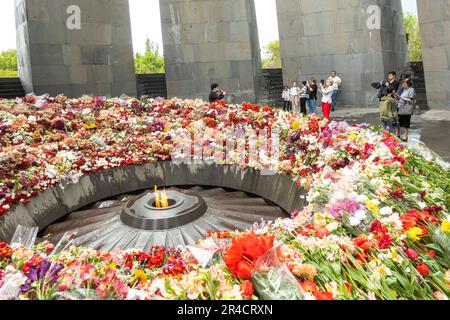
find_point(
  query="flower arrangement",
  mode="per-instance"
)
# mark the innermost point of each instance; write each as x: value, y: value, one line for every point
x: 376, y: 226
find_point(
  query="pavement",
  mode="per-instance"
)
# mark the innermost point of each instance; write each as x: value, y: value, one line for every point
x: 429, y: 127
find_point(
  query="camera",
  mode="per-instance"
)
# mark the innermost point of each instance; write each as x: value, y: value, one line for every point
x: 322, y: 82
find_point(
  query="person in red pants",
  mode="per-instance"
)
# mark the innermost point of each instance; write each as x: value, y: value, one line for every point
x: 326, y: 88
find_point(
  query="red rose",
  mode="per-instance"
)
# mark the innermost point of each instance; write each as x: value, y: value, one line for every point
x: 423, y: 269
x: 412, y: 254
x: 247, y: 289
x: 323, y: 296
x: 431, y: 253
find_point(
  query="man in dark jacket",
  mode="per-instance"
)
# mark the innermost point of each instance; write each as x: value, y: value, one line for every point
x: 383, y: 86
x: 216, y: 94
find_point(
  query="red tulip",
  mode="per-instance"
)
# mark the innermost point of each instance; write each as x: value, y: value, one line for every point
x: 423, y: 269
x: 244, y: 269
x: 322, y: 232
x: 323, y: 296
x: 412, y: 254
x: 247, y: 289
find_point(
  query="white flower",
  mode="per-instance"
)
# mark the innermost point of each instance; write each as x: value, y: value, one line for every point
x: 332, y: 226
x: 354, y: 221
x: 386, y: 211
x: 360, y: 215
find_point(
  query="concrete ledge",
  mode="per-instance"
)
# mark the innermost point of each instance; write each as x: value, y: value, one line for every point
x: 55, y: 203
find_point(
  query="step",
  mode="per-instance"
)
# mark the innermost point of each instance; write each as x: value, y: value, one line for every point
x: 9, y: 80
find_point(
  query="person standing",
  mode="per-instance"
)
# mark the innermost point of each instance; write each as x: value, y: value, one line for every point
x: 304, y: 96
x: 406, y: 108
x: 312, y: 100
x: 327, y: 97
x: 216, y: 93
x: 337, y: 84
x: 294, y: 96
x: 388, y: 111
x: 382, y: 86
x: 286, y: 99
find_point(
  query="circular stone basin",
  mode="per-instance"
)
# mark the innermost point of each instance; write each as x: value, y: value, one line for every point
x: 141, y: 212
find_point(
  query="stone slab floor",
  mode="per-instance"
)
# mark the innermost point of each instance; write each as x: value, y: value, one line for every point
x: 430, y: 127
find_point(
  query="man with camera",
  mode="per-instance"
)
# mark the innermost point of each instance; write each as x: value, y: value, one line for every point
x: 383, y: 86
x: 216, y: 93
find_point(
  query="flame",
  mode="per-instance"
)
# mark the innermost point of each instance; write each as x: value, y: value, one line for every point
x: 161, y: 199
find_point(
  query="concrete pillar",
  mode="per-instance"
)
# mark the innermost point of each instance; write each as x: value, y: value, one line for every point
x: 96, y: 59
x: 210, y: 41
x: 434, y: 19
x: 362, y: 40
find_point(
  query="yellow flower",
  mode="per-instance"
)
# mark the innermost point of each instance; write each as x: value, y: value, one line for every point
x: 353, y: 135
x: 447, y: 277
x: 295, y: 125
x: 89, y: 126
x: 414, y: 233
x: 445, y: 226
x: 113, y: 266
x: 372, y: 206
x: 394, y: 293
x: 139, y: 274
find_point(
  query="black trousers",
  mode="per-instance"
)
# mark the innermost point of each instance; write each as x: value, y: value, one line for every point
x: 287, y: 106
x: 303, y: 105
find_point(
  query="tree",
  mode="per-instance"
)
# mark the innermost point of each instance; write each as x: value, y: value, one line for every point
x: 151, y: 61
x: 272, y: 55
x: 8, y: 63
x: 414, y: 41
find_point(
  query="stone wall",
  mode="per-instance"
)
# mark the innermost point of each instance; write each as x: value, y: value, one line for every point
x: 208, y: 41
x: 318, y: 36
x: 434, y: 19
x: 96, y: 59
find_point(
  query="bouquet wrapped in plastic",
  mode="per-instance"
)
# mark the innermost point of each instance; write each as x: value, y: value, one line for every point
x: 272, y: 279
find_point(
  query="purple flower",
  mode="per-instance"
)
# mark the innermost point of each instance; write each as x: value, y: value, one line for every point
x: 345, y: 206
x: 26, y: 287
x: 32, y: 274
x: 158, y: 126
x: 53, y: 274
x: 43, y: 268
x: 2, y: 194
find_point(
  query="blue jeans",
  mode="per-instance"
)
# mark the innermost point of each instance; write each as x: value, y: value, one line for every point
x: 312, y: 103
x: 335, y: 95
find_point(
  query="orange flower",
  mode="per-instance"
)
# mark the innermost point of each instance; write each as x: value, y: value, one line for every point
x: 305, y: 271
x: 309, y: 286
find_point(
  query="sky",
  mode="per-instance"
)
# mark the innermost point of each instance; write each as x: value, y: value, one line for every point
x: 146, y: 22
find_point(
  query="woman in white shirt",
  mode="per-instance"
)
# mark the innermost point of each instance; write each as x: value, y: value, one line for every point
x: 327, y: 98
x: 286, y: 99
x: 294, y: 94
